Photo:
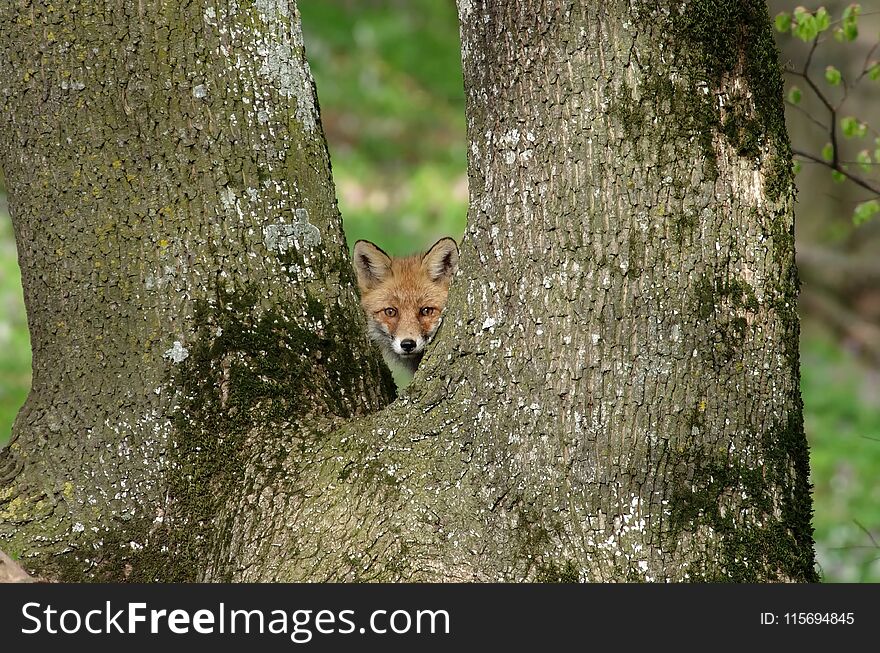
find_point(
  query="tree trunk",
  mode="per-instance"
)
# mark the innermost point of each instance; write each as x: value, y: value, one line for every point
x: 185, y: 274
x: 614, y: 394
x: 626, y: 336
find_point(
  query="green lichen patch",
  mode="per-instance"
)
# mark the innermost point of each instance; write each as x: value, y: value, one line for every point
x: 787, y: 454
x: 757, y: 515
x: 731, y: 39
x: 720, y: 76
x: 551, y: 572
x: 249, y: 369
x: 734, y: 36
x: 714, y: 293
x: 722, y: 303
x: 743, y: 131
x: 667, y: 113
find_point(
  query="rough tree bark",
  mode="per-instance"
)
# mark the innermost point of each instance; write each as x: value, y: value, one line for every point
x: 614, y: 395
x: 174, y: 212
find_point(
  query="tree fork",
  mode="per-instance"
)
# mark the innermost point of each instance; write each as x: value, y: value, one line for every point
x: 614, y: 394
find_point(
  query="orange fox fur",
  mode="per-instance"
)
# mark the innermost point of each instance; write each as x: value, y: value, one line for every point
x: 404, y: 297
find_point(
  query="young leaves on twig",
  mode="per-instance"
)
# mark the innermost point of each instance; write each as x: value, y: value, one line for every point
x: 861, y: 167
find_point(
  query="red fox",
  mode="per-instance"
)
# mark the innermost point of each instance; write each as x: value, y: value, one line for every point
x: 404, y: 298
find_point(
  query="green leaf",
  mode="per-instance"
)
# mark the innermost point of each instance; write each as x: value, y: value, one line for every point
x: 851, y: 12
x: 874, y: 70
x: 805, y: 28
x: 838, y: 176
x: 864, y: 159
x: 796, y: 167
x: 839, y: 36
x: 865, y: 211
x: 823, y: 20
x: 832, y: 75
x: 850, y: 22
x: 828, y: 152
x: 795, y: 95
x: 851, y: 127
x: 783, y: 22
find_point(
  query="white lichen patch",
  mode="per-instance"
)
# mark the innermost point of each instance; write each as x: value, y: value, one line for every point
x: 510, y: 141
x: 283, y: 61
x: 283, y: 237
x: 510, y: 138
x: 266, y: 38
x: 228, y: 198
x: 279, y: 237
x: 177, y: 354
x: 273, y: 9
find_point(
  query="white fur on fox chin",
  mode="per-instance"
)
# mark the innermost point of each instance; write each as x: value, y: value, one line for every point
x: 410, y: 363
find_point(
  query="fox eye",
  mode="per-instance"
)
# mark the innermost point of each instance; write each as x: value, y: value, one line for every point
x: 427, y: 310
x: 390, y: 312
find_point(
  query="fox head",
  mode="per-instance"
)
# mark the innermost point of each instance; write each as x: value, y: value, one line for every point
x: 404, y: 297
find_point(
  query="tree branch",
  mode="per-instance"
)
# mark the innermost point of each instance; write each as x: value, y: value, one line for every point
x: 832, y: 130
x: 835, y: 165
x: 808, y: 115
x: 867, y: 60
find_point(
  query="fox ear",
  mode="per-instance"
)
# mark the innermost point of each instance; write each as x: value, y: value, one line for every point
x: 371, y: 264
x: 441, y: 261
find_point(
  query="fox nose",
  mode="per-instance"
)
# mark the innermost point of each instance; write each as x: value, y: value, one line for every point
x: 407, y: 345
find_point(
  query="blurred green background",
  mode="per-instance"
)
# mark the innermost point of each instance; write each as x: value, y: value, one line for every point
x: 389, y: 83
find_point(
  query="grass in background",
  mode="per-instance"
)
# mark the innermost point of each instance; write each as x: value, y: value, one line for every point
x: 842, y: 421
x: 15, y: 344
x: 389, y: 84
x: 392, y: 105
